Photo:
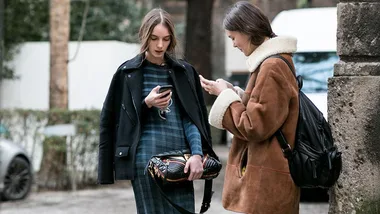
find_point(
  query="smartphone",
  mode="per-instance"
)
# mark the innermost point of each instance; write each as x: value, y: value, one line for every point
x: 164, y: 88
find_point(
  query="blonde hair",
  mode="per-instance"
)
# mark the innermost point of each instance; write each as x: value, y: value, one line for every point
x: 150, y: 21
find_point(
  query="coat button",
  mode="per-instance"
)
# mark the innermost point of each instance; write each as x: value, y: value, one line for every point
x: 120, y: 153
x: 129, y: 76
x: 170, y: 71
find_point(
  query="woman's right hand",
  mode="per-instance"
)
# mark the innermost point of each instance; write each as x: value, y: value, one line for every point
x: 158, y: 100
x: 214, y: 87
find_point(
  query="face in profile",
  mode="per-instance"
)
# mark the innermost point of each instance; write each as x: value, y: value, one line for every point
x: 241, y: 41
x: 159, y: 42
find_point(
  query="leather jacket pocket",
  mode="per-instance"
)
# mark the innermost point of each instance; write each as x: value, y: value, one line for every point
x: 122, y: 151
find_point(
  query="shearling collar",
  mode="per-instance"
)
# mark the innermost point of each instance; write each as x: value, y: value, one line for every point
x: 280, y: 44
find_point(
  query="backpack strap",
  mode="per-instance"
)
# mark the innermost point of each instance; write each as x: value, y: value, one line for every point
x: 285, y: 146
x: 286, y: 61
x: 298, y: 78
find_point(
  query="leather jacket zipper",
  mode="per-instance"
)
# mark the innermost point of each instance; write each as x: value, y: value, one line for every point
x: 125, y: 110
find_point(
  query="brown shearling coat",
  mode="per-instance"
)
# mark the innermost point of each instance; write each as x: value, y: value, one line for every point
x: 269, y: 102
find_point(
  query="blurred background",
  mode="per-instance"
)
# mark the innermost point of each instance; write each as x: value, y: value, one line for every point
x: 58, y: 57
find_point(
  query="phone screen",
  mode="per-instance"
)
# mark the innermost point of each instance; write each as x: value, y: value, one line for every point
x: 165, y: 88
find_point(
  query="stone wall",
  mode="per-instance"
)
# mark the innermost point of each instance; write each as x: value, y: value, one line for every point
x: 354, y: 107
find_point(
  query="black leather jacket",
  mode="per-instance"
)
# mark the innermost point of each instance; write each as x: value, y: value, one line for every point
x: 120, y: 119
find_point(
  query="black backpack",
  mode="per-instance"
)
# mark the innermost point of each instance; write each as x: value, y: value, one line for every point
x: 315, y: 161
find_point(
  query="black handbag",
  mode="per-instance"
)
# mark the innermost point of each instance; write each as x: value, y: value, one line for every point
x: 168, y: 169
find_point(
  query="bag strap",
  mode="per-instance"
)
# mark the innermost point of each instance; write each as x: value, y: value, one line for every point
x: 207, y: 195
x: 285, y: 146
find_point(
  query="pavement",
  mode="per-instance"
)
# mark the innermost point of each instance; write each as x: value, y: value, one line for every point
x: 119, y: 198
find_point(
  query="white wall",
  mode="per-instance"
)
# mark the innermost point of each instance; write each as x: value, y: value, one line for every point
x: 30, y: 90
x: 89, y: 74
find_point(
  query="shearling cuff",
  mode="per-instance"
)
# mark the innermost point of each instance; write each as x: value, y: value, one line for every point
x: 219, y: 108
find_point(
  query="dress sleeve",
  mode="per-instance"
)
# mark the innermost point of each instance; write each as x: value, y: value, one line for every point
x: 192, y: 136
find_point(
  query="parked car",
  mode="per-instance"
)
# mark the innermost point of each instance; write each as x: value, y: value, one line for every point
x: 15, y: 171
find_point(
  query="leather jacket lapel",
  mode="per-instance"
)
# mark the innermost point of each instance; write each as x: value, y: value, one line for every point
x: 187, y: 96
x: 133, y: 83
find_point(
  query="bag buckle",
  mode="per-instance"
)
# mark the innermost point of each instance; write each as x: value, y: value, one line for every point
x: 287, y: 151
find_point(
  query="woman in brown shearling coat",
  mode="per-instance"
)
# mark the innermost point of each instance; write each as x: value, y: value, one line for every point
x: 257, y: 176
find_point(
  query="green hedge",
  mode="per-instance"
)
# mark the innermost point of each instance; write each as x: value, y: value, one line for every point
x: 25, y: 127
x: 54, y: 171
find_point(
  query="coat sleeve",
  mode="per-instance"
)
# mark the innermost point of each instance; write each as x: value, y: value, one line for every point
x: 106, y: 138
x: 265, y: 112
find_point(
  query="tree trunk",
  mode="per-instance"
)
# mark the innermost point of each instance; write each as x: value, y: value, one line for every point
x: 198, y: 37
x: 59, y: 38
x: 218, y: 39
x: 53, y: 172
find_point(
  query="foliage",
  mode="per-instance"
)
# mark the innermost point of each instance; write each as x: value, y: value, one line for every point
x: 107, y: 20
x: 303, y: 3
x: 28, y: 20
x: 23, y: 21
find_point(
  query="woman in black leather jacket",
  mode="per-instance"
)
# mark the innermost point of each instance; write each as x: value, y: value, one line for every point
x: 137, y: 121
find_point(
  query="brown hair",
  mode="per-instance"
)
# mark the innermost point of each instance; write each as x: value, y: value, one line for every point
x: 151, y: 20
x: 246, y: 18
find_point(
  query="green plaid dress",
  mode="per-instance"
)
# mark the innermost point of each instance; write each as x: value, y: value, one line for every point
x: 160, y: 136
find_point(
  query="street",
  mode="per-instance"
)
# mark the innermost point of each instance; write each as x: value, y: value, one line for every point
x: 118, y: 198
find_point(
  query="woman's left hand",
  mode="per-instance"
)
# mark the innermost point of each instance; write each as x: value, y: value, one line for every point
x: 196, y: 167
x: 214, y: 87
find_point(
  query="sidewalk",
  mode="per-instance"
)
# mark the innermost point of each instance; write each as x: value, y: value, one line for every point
x: 118, y: 198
